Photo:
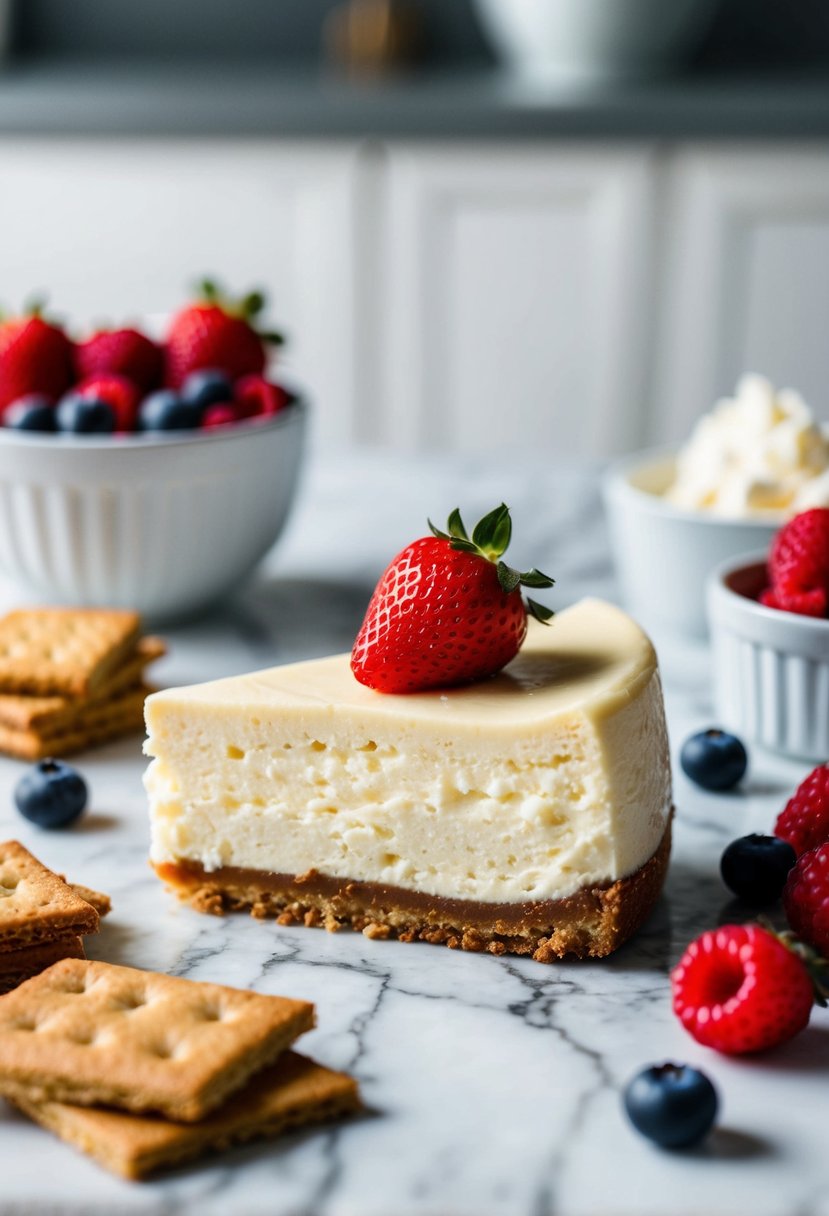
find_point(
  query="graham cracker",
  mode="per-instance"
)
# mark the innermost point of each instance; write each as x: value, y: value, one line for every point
x: 92, y: 1033
x: 291, y: 1093
x: 100, y: 902
x: 37, y: 905
x: 68, y: 651
x: 96, y: 723
x: 19, y: 965
x: 22, y: 712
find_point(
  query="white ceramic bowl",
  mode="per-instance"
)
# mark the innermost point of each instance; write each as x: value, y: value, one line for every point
x: 587, y: 40
x: 771, y: 668
x: 664, y: 554
x: 164, y: 524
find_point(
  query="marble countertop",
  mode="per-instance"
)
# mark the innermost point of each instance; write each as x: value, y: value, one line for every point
x: 492, y: 1084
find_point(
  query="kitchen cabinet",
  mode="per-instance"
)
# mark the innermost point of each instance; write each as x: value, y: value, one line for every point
x: 518, y: 296
x: 583, y: 297
x: 593, y: 299
x: 746, y: 277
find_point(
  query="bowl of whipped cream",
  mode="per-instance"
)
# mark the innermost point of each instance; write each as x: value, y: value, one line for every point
x: 754, y: 461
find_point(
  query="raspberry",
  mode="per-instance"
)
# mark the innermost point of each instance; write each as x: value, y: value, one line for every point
x: 221, y: 414
x: 799, y: 565
x: 122, y: 352
x: 257, y: 397
x: 804, y: 821
x: 806, y: 898
x: 739, y: 989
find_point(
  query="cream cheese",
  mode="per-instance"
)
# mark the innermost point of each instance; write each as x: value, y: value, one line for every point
x: 756, y: 454
x: 551, y: 776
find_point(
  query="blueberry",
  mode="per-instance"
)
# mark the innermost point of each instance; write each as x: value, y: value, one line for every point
x: 85, y: 415
x: 51, y: 794
x: 672, y: 1104
x: 167, y: 411
x: 33, y: 412
x: 714, y: 759
x: 207, y: 387
x: 755, y: 867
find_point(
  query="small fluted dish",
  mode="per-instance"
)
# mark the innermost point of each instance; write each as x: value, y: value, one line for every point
x: 771, y: 668
x: 664, y: 553
x: 165, y: 523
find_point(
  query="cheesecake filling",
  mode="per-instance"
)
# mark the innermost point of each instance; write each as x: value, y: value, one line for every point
x: 520, y: 791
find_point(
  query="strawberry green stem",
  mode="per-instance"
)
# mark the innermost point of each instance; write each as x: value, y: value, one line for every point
x: 490, y: 539
x: 248, y: 308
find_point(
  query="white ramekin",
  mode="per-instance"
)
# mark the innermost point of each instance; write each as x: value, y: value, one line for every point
x: 664, y: 554
x: 771, y: 668
x: 163, y: 523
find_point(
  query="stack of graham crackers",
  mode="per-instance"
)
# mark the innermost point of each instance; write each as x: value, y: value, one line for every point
x: 42, y: 917
x: 142, y: 1070
x: 71, y: 678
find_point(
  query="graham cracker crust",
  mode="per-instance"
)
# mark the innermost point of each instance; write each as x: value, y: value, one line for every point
x: 592, y: 923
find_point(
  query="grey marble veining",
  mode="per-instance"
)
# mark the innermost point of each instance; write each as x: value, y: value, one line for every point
x: 492, y: 1084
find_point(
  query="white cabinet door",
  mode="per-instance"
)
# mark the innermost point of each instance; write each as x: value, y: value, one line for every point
x: 115, y: 230
x: 518, y: 286
x: 747, y: 282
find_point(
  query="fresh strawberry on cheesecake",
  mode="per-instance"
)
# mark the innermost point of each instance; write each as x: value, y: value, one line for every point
x: 467, y: 776
x: 448, y: 610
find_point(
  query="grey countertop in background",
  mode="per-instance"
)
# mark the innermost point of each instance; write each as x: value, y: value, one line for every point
x: 66, y: 95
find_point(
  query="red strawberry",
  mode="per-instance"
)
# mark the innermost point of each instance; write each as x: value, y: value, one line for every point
x: 222, y: 414
x: 35, y: 357
x: 740, y: 989
x: 799, y: 565
x: 806, y: 898
x: 124, y: 352
x: 804, y: 821
x: 447, y: 610
x: 257, y: 397
x: 216, y: 333
x: 118, y: 392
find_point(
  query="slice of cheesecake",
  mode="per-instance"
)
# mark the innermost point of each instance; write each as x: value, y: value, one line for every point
x: 529, y: 813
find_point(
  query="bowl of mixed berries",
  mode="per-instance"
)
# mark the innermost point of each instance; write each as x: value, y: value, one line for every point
x: 769, y: 618
x: 143, y: 473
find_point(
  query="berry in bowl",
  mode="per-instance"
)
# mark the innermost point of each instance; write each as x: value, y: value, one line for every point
x: 153, y: 475
x: 769, y: 623
x: 757, y: 459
